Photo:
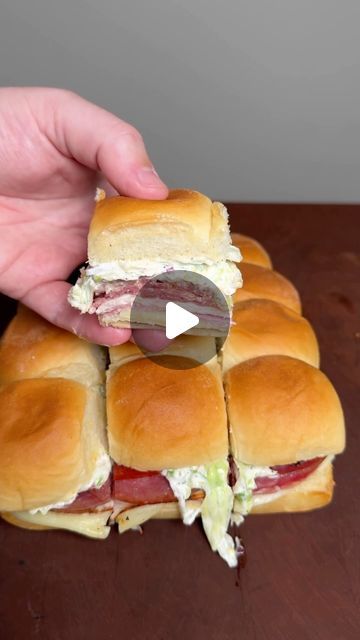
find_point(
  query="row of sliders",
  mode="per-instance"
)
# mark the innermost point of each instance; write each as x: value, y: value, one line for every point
x: 270, y: 363
x: 164, y: 450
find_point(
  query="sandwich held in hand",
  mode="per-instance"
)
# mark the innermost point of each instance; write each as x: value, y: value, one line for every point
x: 164, y: 244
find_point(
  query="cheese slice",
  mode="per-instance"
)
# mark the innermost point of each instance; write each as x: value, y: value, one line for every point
x: 136, y: 516
x: 132, y: 518
x: 92, y: 525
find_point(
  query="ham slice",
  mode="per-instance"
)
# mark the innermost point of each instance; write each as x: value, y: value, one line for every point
x: 139, y: 487
x: 287, y: 475
x: 113, y: 297
x: 144, y: 487
x: 133, y: 487
x: 91, y: 500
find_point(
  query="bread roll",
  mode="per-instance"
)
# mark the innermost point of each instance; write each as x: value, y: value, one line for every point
x: 251, y: 250
x: 264, y: 327
x: 186, y: 227
x: 161, y: 417
x: 259, y: 282
x: 281, y: 411
x: 52, y: 442
x: 31, y: 347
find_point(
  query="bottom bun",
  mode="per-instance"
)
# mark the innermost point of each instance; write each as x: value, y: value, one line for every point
x: 312, y: 493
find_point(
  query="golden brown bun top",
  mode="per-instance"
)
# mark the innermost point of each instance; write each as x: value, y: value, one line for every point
x: 264, y: 327
x: 186, y: 226
x: 251, y: 250
x: 259, y: 282
x: 163, y: 418
x: 40, y: 442
x: 198, y: 348
x: 282, y: 410
x: 32, y: 347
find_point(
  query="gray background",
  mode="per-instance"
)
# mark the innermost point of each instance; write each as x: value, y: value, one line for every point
x: 244, y: 100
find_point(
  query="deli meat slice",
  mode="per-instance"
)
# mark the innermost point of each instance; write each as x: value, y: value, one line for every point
x: 140, y: 487
x: 91, y: 500
x: 181, y: 291
x: 287, y: 474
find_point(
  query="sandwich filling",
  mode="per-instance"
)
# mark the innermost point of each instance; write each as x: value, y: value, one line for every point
x: 210, y: 491
x: 250, y: 482
x: 110, y: 289
x: 202, y: 490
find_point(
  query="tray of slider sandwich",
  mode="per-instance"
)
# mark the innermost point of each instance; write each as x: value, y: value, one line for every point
x: 144, y: 497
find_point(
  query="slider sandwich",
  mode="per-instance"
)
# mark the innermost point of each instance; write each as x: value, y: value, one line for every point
x: 251, y: 250
x: 130, y: 241
x: 264, y: 327
x: 260, y: 282
x: 54, y: 465
x: 168, y: 439
x: 286, y: 425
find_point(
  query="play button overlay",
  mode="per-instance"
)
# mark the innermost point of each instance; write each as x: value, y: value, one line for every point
x: 185, y: 310
x: 178, y: 320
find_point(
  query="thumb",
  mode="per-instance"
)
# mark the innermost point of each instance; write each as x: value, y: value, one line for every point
x: 50, y: 301
x: 103, y: 142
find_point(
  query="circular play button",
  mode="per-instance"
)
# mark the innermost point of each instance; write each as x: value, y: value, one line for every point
x: 189, y: 310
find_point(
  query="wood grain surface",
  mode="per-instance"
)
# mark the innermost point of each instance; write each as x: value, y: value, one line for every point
x: 302, y: 579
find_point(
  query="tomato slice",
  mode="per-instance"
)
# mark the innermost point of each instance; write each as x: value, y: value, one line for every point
x: 140, y: 487
x: 126, y: 473
x: 286, y: 474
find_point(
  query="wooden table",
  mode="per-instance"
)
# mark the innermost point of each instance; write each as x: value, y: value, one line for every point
x: 302, y: 580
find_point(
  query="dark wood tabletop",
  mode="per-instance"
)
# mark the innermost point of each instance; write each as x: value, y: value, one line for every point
x: 302, y: 579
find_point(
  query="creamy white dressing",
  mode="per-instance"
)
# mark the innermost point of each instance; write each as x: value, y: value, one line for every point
x: 246, y: 483
x: 223, y: 274
x: 100, y: 476
x: 126, y: 270
x: 182, y: 481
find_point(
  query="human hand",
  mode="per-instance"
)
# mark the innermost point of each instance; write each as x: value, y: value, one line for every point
x: 55, y: 148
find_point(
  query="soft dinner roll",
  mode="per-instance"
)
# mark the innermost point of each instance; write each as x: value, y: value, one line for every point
x: 251, y: 250
x: 51, y: 440
x: 31, y: 347
x: 178, y: 419
x: 187, y: 226
x: 264, y: 327
x: 282, y: 410
x: 259, y: 282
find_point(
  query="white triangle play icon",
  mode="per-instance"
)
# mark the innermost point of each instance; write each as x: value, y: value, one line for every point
x: 178, y: 320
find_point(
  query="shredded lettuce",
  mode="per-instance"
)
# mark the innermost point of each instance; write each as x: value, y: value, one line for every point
x: 216, y: 507
x: 246, y: 483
